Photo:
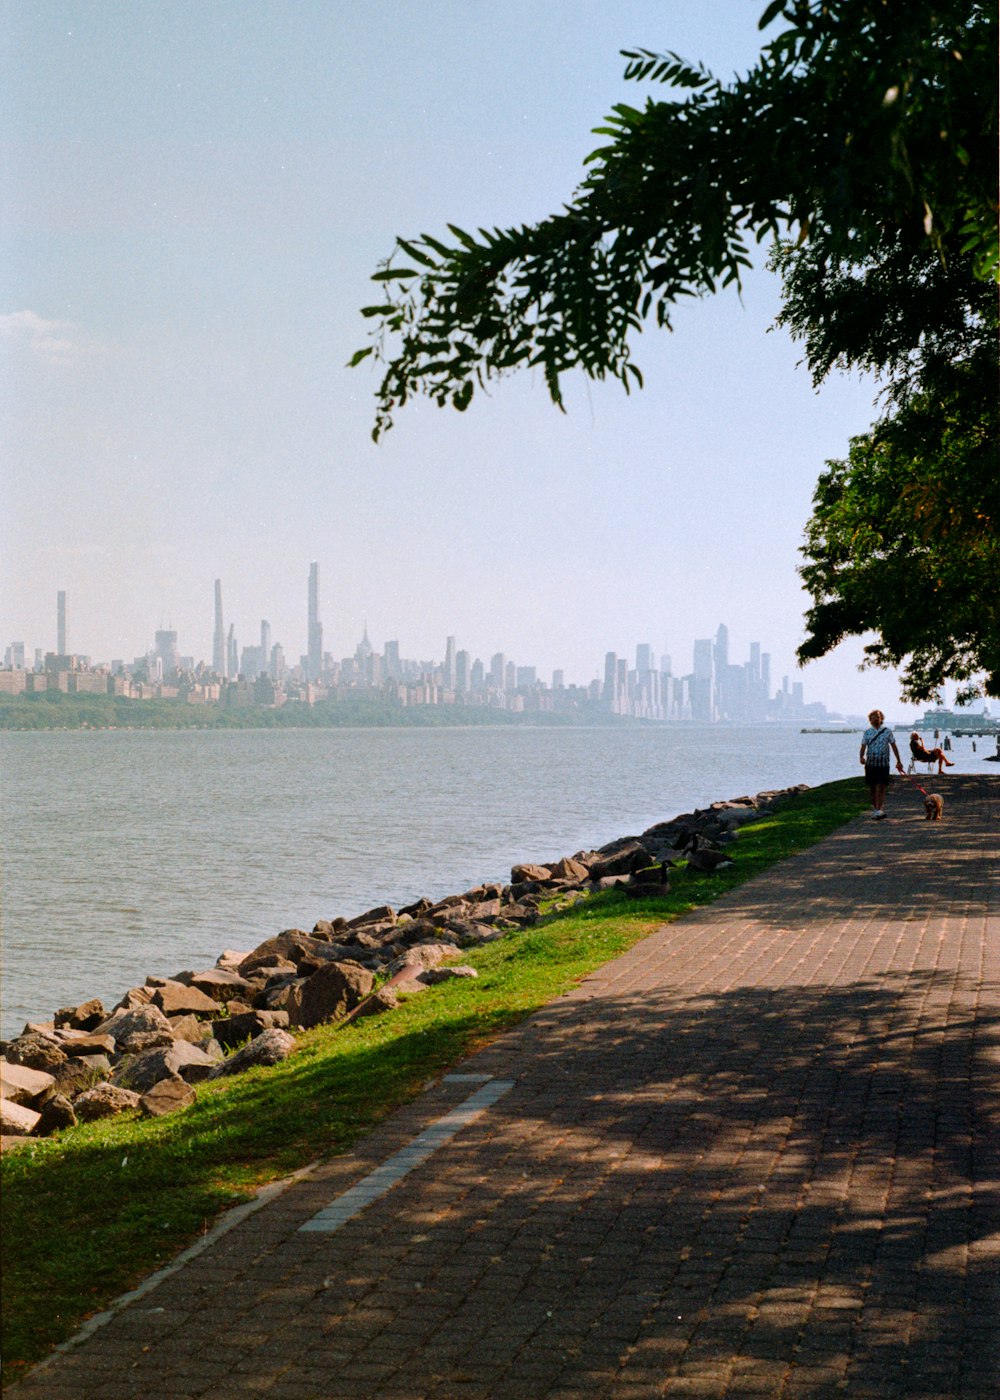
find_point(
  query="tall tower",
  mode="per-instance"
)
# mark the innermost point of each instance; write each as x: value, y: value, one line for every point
x: 265, y: 648
x: 219, y: 657
x: 449, y: 663
x: 61, y: 624
x: 314, y: 659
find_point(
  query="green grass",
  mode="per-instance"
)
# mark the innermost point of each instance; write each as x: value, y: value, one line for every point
x: 86, y: 1215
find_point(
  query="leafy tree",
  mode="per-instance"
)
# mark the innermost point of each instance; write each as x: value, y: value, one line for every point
x: 903, y: 540
x: 862, y: 145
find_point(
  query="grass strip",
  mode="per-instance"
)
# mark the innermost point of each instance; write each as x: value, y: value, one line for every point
x: 87, y: 1214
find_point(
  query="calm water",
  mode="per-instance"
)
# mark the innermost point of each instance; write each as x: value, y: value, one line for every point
x: 133, y: 853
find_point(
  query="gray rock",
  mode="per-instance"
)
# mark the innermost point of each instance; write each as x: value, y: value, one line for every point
x: 123, y: 1025
x: 269, y: 1048
x: 141, y: 1072
x: 104, y: 1101
x: 434, y: 975
x: 423, y: 956
x: 329, y: 994
x: 35, y: 1052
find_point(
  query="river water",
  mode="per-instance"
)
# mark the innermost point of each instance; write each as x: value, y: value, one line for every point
x: 130, y: 853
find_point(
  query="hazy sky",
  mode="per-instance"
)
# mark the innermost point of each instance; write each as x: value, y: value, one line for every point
x: 198, y: 192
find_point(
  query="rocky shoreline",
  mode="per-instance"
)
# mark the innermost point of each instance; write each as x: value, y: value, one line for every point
x: 161, y: 1039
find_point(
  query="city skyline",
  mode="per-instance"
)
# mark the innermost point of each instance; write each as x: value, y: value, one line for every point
x: 712, y: 688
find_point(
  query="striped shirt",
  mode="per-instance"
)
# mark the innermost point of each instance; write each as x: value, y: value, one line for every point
x: 877, y: 742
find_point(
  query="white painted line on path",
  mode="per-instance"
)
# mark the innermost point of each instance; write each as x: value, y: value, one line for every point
x: 378, y: 1182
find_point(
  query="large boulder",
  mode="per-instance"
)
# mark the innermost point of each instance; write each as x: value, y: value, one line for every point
x: 75, y: 1075
x: 268, y: 1048
x: 166, y: 1096
x: 434, y: 975
x: 55, y: 1113
x: 141, y: 1072
x: 222, y: 985
x: 22, y: 1085
x: 529, y: 874
x: 174, y: 999
x: 35, y: 1051
x: 191, y: 1029
x: 619, y: 858
x: 421, y: 957
x: 234, y: 1030
x: 384, y: 999
x: 292, y: 946
x: 570, y: 869
x: 134, y: 997
x: 16, y: 1119
x: 138, y: 1022
x: 104, y: 1101
x: 85, y: 1017
x: 329, y: 994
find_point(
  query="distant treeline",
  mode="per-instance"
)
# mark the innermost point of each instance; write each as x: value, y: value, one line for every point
x: 56, y: 710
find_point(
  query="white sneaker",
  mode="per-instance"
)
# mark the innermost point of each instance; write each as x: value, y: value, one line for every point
x: 879, y: 815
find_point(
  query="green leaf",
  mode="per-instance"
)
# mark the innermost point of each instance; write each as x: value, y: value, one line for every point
x: 360, y: 355
x: 391, y: 274
x: 775, y: 8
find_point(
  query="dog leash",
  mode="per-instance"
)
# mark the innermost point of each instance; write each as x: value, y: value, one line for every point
x: 915, y: 784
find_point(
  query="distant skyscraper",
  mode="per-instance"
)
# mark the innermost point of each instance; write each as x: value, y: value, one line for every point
x: 498, y: 665
x: 610, y: 672
x: 232, y: 654
x: 219, y: 636
x: 449, y: 663
x: 61, y: 624
x: 644, y: 657
x: 166, y: 649
x: 314, y: 664
x: 393, y: 669
x: 721, y: 649
x: 463, y: 666
x: 265, y: 647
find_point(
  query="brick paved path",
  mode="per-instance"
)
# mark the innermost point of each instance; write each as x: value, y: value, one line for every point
x: 750, y: 1157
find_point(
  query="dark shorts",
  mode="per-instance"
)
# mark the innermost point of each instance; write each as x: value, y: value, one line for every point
x: 877, y: 774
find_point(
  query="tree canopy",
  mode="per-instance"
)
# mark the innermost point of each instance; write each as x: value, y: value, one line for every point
x: 862, y: 147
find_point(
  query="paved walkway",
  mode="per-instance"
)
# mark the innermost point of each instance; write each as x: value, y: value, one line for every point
x: 750, y: 1157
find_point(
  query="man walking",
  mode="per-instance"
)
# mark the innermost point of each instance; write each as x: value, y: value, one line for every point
x: 875, y: 745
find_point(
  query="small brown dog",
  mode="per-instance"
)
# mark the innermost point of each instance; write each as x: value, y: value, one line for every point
x: 934, y: 807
